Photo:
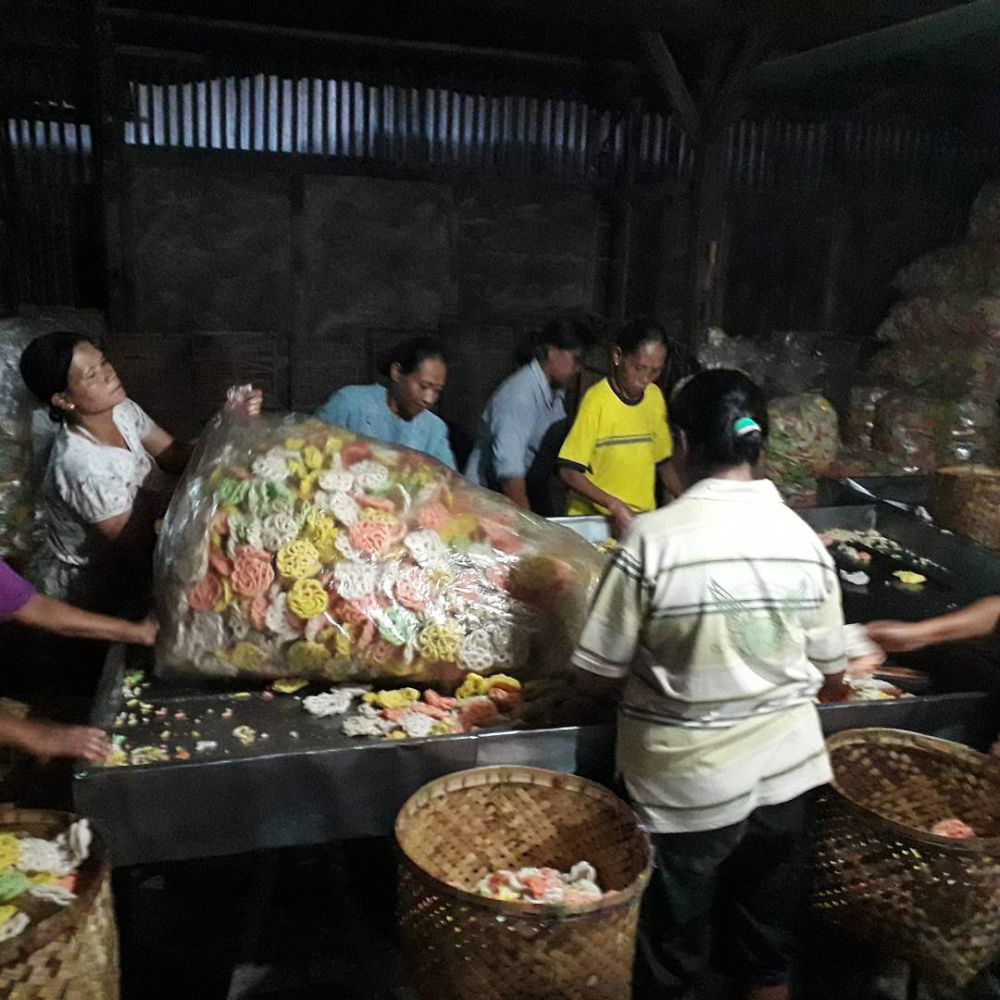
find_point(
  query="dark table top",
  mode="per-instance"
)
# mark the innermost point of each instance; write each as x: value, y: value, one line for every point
x: 303, y: 781
x: 319, y: 785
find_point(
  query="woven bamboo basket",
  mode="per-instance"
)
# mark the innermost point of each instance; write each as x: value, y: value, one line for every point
x: 461, y: 945
x: 966, y: 499
x: 880, y: 875
x: 72, y: 955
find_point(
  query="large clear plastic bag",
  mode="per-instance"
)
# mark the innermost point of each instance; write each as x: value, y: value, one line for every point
x: 15, y: 401
x: 785, y: 363
x: 292, y: 547
x: 984, y: 220
x: 907, y: 429
x: 722, y: 351
x: 804, y: 441
x: 928, y: 319
x: 950, y: 346
x: 16, y: 507
x: 16, y: 520
x: 859, y: 414
x: 966, y: 431
x: 797, y: 363
x: 970, y: 268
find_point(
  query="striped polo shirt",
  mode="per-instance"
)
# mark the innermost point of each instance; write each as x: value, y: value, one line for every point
x: 723, y: 611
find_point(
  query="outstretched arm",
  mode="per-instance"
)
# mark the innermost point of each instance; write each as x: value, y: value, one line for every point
x: 976, y: 621
x: 579, y: 483
x: 50, y: 615
x: 172, y: 455
x: 46, y: 739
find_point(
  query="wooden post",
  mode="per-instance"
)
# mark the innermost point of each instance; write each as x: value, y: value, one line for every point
x: 668, y: 76
x: 840, y: 244
x: 708, y: 227
x: 298, y: 353
x: 106, y: 138
x: 706, y: 122
x: 621, y: 237
x: 724, y: 100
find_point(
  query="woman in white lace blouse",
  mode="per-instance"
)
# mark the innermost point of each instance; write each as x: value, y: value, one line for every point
x: 107, y: 479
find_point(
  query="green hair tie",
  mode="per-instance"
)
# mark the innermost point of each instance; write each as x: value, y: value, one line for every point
x: 745, y: 425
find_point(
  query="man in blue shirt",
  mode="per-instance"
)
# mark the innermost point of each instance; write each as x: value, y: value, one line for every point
x: 400, y: 414
x: 520, y: 431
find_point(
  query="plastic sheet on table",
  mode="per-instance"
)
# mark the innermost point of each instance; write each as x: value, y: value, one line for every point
x: 295, y: 547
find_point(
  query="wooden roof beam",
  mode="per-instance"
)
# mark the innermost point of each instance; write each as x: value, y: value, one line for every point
x: 220, y: 26
x: 668, y: 76
x: 910, y: 38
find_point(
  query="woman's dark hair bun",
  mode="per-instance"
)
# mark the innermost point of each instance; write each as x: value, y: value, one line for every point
x: 723, y: 414
x: 45, y: 363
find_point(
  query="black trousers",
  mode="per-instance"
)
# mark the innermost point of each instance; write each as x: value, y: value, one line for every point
x: 729, y: 896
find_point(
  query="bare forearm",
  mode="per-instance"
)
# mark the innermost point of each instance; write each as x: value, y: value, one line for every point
x: 47, y: 739
x: 516, y: 490
x: 669, y: 478
x: 16, y: 732
x: 55, y: 616
x: 977, y: 621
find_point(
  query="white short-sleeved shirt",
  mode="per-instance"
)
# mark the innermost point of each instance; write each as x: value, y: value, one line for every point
x: 87, y: 482
x: 723, y: 611
x: 513, y: 427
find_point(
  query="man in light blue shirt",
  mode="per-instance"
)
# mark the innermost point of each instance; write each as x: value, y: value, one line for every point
x: 400, y: 414
x: 517, y: 438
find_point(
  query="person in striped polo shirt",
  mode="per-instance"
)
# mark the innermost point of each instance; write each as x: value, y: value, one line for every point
x: 720, y: 616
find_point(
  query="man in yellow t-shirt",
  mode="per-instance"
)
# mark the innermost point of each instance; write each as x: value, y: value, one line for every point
x: 620, y: 439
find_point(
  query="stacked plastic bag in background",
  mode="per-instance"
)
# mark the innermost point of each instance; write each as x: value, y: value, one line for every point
x: 804, y: 438
x: 929, y: 399
x: 16, y: 501
x: 294, y: 547
x: 804, y: 442
x: 942, y: 355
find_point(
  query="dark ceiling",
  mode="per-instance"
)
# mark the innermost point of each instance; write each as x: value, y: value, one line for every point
x: 574, y: 27
x: 940, y: 72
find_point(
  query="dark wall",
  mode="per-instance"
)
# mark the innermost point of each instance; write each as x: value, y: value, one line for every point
x: 302, y: 280
x: 793, y: 261
x: 298, y: 281
x: 826, y: 261
x: 658, y: 266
